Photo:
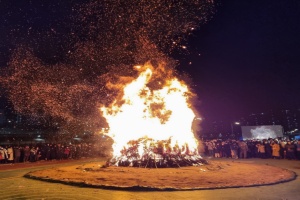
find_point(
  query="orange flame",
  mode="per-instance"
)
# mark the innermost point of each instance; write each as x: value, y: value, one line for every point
x: 160, y: 114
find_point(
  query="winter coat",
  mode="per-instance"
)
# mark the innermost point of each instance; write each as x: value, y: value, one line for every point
x: 275, y: 150
x: 2, y: 155
x: 261, y: 148
x: 10, y: 153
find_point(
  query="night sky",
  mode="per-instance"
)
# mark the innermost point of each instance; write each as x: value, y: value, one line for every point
x: 249, y: 59
x: 244, y: 60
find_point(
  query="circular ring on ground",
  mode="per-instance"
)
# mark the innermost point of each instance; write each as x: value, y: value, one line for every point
x: 216, y: 175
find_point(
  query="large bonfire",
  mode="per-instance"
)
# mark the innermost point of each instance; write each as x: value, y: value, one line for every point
x: 90, y: 43
x: 151, y: 126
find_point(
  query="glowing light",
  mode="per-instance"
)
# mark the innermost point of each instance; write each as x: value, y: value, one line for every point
x: 160, y: 114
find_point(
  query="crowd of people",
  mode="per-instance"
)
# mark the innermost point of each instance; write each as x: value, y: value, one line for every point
x: 47, y: 152
x: 277, y: 148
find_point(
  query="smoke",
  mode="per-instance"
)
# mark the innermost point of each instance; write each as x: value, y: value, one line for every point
x: 104, y: 40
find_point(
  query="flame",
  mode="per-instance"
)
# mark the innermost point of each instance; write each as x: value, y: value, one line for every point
x: 160, y: 114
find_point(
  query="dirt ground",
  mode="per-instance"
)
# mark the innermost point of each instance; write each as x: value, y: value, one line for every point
x: 217, y: 174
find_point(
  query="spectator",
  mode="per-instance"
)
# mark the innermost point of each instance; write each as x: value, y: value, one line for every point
x: 52, y: 152
x: 2, y: 155
x: 275, y: 149
x: 17, y: 152
x: 234, y: 149
x: 66, y: 152
x: 26, y: 153
x: 224, y: 152
x: 5, y: 154
x: 261, y: 150
x: 38, y: 154
x: 268, y: 149
x: 243, y: 149
x: 10, y: 154
x: 210, y: 147
x: 22, y: 154
x: 32, y: 154
x: 290, y: 151
x: 282, y: 149
x: 217, y: 150
x: 257, y: 153
x: 48, y: 152
x: 72, y: 151
x: 60, y: 152
x: 78, y: 151
x: 251, y: 149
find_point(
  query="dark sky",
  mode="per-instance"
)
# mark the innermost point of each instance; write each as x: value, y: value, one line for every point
x: 249, y: 52
x: 250, y: 59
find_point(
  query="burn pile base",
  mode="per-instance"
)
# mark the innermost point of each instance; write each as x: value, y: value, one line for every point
x: 164, y: 162
x: 156, y: 155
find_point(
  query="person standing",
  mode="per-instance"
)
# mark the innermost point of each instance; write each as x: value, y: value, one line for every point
x: 5, y: 155
x: 290, y: 151
x: 10, y: 154
x: 282, y: 148
x: 26, y: 153
x: 217, y: 149
x: 2, y: 155
x: 32, y: 154
x: 234, y: 149
x: 210, y: 147
x: 60, y: 152
x: 268, y: 149
x: 78, y: 151
x: 17, y: 154
x: 47, y: 151
x: 53, y: 152
x: 38, y: 154
x: 22, y: 153
x: 261, y: 150
x: 275, y: 150
x: 251, y: 149
x: 243, y: 149
x: 66, y: 152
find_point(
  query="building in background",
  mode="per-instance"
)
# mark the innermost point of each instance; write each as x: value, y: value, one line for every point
x: 289, y: 119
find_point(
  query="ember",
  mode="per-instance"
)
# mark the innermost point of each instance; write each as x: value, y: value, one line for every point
x: 156, y: 155
x: 152, y: 125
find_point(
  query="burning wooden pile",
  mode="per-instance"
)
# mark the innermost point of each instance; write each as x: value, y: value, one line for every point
x: 151, y: 121
x: 150, y: 154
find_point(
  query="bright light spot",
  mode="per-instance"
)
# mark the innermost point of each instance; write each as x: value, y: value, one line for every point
x: 162, y: 114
